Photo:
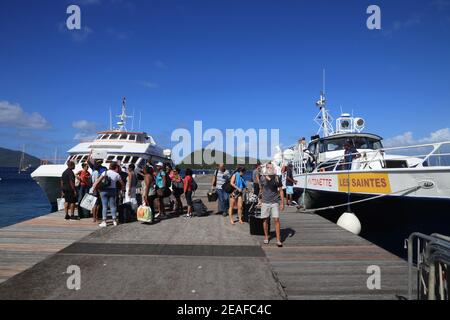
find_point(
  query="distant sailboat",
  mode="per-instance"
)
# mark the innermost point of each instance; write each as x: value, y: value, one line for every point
x: 22, y: 166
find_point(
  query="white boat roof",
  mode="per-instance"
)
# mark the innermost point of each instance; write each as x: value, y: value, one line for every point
x: 116, y: 147
x: 350, y: 135
x: 132, y: 143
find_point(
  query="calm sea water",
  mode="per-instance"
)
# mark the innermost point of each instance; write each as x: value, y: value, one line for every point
x: 20, y: 197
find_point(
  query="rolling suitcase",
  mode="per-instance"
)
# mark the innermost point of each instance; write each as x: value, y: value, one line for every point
x: 256, y: 223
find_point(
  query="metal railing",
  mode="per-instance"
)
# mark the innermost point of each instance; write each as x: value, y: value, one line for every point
x: 378, y: 156
x: 432, y: 261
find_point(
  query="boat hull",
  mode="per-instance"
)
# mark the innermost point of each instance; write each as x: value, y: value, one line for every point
x: 51, y: 188
x: 433, y: 182
x: 386, y: 221
x: 48, y: 177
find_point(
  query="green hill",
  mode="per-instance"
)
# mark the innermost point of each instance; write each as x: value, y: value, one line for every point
x: 11, y: 159
x: 222, y: 157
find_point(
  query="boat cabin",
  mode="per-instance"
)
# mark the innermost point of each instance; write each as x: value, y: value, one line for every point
x: 325, y: 150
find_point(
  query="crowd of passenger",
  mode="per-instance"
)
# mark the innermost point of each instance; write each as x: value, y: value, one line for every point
x: 122, y: 190
x: 164, y: 189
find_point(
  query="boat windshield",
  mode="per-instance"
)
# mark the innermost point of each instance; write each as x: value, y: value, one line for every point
x: 359, y: 142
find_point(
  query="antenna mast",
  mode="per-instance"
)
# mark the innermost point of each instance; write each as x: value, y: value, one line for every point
x: 123, y: 117
x: 110, y: 119
x: 323, y: 118
x: 140, y: 116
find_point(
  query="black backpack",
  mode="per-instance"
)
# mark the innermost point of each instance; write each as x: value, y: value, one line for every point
x: 194, y: 185
x: 199, y: 208
x: 106, y: 182
x: 227, y: 187
x: 168, y: 181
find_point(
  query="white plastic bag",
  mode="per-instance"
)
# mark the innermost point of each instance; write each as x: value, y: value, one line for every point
x: 60, y: 202
x: 88, y: 201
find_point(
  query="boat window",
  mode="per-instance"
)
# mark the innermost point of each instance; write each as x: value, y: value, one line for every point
x: 377, y: 145
x: 132, y: 137
x: 123, y: 137
x: 126, y: 159
x: 333, y: 146
x: 362, y: 143
x: 84, y: 158
x: 106, y: 136
x: 367, y: 143
x: 110, y: 159
x: 134, y: 159
x: 99, y: 136
x: 120, y: 158
x: 114, y: 136
x: 79, y: 157
x: 358, y: 142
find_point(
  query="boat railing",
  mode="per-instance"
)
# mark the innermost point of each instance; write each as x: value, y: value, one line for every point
x: 380, y: 156
x: 53, y: 161
x: 430, y: 255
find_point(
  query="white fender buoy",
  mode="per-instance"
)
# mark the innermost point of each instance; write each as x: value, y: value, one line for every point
x: 350, y: 222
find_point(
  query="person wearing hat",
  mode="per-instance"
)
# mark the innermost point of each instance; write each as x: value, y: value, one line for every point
x: 160, y: 186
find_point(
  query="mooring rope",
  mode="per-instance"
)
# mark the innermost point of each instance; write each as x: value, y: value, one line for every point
x: 415, y: 188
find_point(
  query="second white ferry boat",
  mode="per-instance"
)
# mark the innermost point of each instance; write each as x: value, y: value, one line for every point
x: 374, y: 181
x: 118, y: 145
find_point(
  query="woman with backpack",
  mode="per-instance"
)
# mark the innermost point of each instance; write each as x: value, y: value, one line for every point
x: 237, y: 196
x: 107, y: 185
x: 188, y: 189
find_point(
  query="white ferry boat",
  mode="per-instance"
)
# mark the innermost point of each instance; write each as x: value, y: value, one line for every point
x: 374, y: 179
x: 120, y: 145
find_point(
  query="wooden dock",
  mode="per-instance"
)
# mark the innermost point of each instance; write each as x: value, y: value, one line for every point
x: 24, y: 244
x: 319, y: 260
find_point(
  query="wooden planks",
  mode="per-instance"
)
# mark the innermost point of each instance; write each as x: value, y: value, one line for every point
x: 320, y: 260
x: 24, y: 244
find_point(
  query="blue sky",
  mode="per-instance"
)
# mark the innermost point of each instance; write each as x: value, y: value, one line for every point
x: 232, y: 64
